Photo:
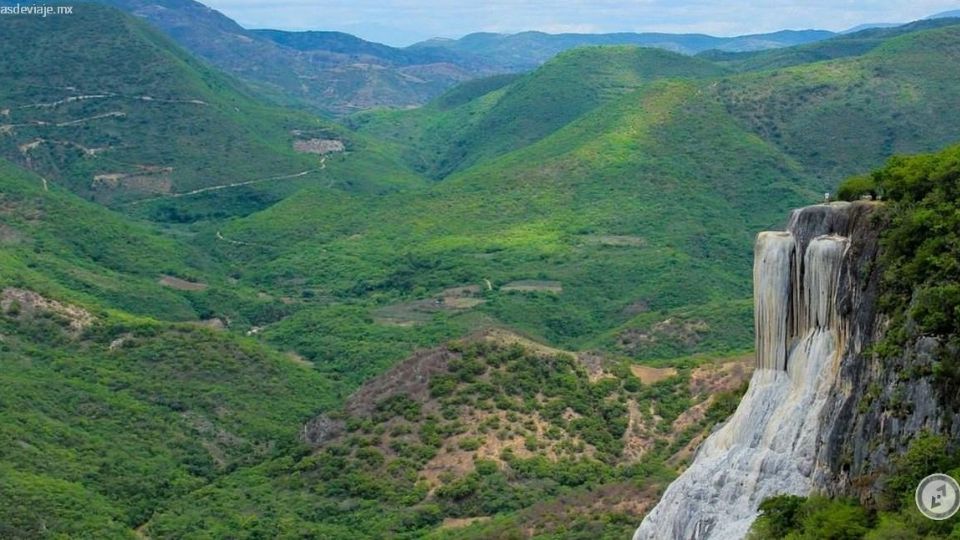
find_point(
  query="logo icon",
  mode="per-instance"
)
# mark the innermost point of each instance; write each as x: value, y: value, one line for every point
x: 938, y: 496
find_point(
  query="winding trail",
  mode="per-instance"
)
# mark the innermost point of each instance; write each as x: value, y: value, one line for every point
x: 238, y: 242
x: 108, y: 95
x: 112, y: 114
x: 208, y: 189
x: 244, y: 183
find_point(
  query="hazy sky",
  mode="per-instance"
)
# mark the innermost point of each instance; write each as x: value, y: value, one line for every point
x: 401, y: 22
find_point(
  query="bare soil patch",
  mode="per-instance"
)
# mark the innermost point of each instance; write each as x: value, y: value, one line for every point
x: 616, y: 240
x: 459, y: 298
x: 299, y: 360
x: 318, y: 146
x: 506, y: 337
x: 18, y: 302
x: 725, y: 374
x: 9, y: 235
x: 214, y: 324
x: 146, y: 179
x: 650, y: 375
x: 687, y: 333
x: 533, y: 285
x: 457, y: 523
x: 181, y: 284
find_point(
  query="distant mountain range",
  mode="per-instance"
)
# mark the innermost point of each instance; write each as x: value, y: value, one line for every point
x: 337, y: 73
x: 953, y: 13
x: 330, y: 72
x: 526, y: 50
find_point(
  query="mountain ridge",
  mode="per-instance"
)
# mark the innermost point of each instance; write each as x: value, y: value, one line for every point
x: 306, y: 68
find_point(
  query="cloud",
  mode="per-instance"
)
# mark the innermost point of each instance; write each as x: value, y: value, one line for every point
x: 400, y: 22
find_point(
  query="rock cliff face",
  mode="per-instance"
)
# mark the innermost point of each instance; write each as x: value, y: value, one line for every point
x: 877, y: 405
x: 823, y: 413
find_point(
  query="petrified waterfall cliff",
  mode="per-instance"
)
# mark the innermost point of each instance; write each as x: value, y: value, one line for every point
x: 819, y: 413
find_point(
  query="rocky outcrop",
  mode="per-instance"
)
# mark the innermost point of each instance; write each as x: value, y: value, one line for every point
x: 16, y: 302
x: 823, y: 413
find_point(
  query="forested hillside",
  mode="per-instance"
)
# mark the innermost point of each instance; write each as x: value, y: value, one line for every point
x: 109, y: 411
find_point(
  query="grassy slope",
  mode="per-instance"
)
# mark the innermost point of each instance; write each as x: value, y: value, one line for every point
x: 58, y: 244
x: 575, y: 82
x: 202, y: 124
x: 130, y: 429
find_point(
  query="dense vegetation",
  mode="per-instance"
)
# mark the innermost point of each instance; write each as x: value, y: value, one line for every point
x: 641, y: 209
x: 920, y: 251
x: 800, y: 518
x: 110, y: 417
x: 443, y: 139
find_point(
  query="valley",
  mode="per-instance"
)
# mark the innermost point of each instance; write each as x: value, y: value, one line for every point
x: 513, y: 311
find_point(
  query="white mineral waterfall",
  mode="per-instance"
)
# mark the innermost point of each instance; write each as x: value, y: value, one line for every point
x: 771, y: 292
x: 768, y: 446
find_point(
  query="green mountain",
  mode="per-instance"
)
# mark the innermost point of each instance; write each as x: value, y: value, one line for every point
x: 129, y: 116
x: 890, y: 100
x: 628, y: 228
x: 448, y: 138
x: 441, y: 138
x: 841, y: 46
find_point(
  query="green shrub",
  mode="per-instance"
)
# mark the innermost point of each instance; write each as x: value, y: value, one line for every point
x: 813, y: 518
x: 856, y: 187
x: 470, y: 444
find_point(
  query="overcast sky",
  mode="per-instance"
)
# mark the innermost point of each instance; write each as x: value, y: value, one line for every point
x: 401, y: 22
